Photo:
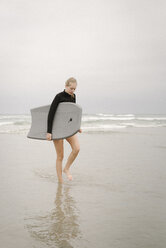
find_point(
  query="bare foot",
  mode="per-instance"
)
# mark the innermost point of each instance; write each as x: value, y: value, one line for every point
x: 69, y: 176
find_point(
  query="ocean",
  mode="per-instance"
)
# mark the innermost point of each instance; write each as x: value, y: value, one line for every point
x: 20, y: 124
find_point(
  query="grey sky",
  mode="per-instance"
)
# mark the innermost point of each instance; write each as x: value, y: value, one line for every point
x: 116, y: 49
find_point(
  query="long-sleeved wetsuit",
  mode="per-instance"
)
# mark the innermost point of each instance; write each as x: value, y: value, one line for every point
x: 60, y: 97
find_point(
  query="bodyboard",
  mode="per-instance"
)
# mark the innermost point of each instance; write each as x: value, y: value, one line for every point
x: 66, y: 122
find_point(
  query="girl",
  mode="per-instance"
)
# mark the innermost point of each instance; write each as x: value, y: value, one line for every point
x: 65, y: 96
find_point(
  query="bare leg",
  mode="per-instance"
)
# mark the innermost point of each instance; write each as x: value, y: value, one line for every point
x: 73, y: 141
x: 60, y: 153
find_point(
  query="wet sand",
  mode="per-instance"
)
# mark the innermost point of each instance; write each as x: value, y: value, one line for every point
x: 117, y: 197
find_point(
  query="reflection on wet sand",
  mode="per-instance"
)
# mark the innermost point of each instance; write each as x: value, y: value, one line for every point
x: 60, y: 227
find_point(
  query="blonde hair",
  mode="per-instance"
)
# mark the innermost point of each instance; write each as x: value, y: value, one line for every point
x: 70, y: 80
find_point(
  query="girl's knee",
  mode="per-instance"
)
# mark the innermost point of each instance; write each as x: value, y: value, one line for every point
x: 60, y: 157
x: 76, y: 150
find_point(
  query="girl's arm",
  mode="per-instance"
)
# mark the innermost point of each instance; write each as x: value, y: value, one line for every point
x: 51, y: 113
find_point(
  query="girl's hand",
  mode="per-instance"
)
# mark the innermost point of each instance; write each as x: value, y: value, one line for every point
x: 80, y: 130
x: 49, y: 135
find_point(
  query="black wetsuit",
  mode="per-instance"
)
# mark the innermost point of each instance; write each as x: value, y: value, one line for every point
x: 60, y: 97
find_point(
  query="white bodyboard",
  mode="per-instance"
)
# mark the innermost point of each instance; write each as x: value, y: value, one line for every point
x: 66, y: 122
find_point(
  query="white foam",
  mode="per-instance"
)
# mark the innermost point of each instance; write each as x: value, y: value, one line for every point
x: 90, y: 123
x: 5, y: 123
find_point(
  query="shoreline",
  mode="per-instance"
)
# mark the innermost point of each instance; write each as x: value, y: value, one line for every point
x: 116, y: 198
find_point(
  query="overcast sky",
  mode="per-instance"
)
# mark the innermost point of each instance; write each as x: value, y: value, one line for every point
x: 116, y: 49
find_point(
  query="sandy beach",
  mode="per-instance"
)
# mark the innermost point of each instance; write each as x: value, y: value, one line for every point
x: 117, y: 197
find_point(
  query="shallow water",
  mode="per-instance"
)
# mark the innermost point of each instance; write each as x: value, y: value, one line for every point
x: 116, y: 199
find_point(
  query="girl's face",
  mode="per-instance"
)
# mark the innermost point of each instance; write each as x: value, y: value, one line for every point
x: 71, y: 88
